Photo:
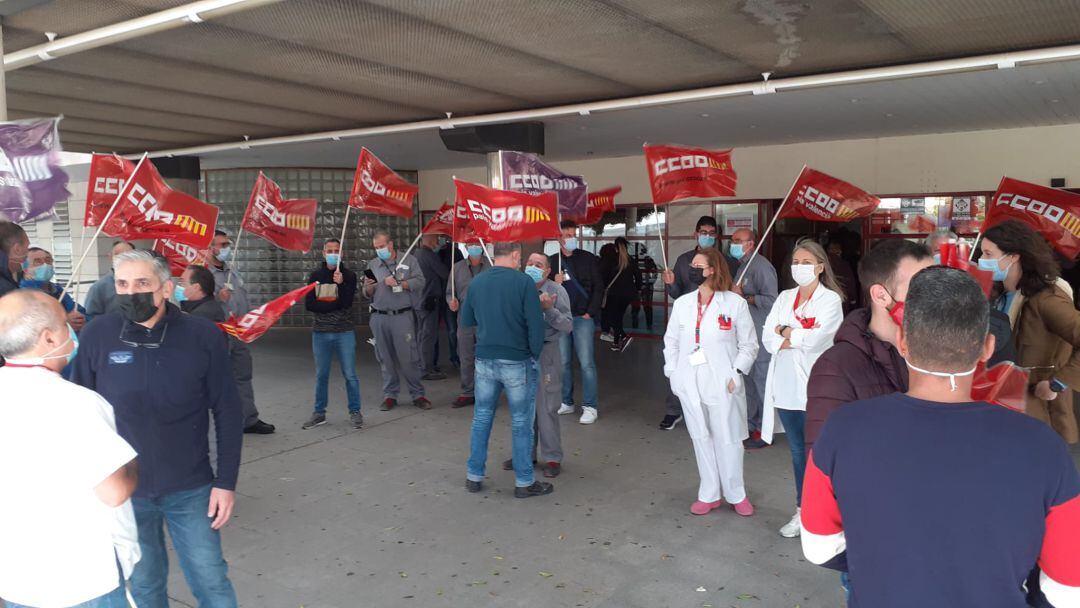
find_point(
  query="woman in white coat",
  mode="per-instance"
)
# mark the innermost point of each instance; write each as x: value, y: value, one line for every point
x: 799, y: 328
x: 709, y: 345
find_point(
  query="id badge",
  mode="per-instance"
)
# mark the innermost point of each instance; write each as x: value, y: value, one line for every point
x: 697, y: 358
x: 397, y: 288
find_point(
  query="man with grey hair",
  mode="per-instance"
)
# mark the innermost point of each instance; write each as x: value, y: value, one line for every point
x: 164, y: 371
x: 66, y: 473
x: 101, y: 298
x: 759, y: 288
x: 936, y: 239
x: 395, y: 295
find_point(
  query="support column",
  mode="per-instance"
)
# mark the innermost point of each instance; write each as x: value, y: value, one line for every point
x: 3, y: 79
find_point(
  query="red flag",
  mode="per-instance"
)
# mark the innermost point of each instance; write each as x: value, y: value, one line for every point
x: 108, y: 173
x: 1004, y: 384
x: 600, y: 203
x: 1053, y: 213
x: 179, y: 255
x: 442, y: 222
x: 954, y: 255
x: 376, y: 188
x: 149, y: 209
x: 820, y: 197
x: 463, y: 231
x: 289, y: 224
x: 255, y: 323
x: 677, y: 172
x: 502, y: 216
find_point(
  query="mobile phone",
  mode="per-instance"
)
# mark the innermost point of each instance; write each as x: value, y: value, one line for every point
x: 1057, y: 385
x: 370, y: 275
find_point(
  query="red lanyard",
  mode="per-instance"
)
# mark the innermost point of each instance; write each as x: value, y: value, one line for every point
x: 701, y: 315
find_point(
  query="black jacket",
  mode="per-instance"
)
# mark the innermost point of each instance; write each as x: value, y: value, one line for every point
x: 335, y: 316
x: 8, y: 282
x: 625, y: 284
x: 161, y: 397
x: 586, y: 286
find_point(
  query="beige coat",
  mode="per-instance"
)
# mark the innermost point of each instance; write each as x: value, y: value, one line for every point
x: 1046, y: 330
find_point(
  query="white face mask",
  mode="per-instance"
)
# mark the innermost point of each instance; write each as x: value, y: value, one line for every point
x: 804, y: 274
x: 950, y: 376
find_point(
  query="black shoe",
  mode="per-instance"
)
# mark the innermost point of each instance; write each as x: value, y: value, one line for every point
x: 754, y: 443
x: 508, y: 464
x: 474, y: 486
x: 670, y: 422
x: 538, y: 488
x: 433, y: 375
x: 463, y: 401
x: 260, y: 428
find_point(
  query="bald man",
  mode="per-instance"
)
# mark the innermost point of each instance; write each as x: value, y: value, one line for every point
x: 66, y: 471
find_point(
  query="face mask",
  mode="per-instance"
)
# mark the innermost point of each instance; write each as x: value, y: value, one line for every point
x: 179, y: 293
x: 34, y: 361
x: 735, y: 250
x: 570, y: 244
x: 804, y: 274
x: 697, y: 275
x: 475, y: 251
x: 950, y: 376
x: 383, y: 253
x: 137, y: 307
x: 706, y: 240
x: 896, y: 313
x: 225, y: 254
x: 937, y: 259
x: 332, y: 259
x: 536, y: 274
x: 43, y: 273
x: 992, y: 265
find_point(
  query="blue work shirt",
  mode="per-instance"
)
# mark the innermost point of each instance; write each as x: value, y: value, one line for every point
x: 163, y: 397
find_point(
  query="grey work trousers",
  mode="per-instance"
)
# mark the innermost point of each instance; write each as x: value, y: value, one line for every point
x: 755, y: 392
x: 674, y: 406
x: 243, y: 371
x: 427, y: 332
x: 466, y: 348
x: 397, y: 353
x: 548, y: 400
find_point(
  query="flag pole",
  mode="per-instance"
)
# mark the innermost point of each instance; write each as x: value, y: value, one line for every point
x: 975, y: 245
x: 660, y: 233
x: 409, y: 250
x: 101, y: 226
x: 78, y: 275
x: 341, y: 245
x: 761, y: 239
x: 486, y: 254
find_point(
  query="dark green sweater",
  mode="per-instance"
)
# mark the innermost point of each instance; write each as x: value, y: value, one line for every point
x: 504, y: 306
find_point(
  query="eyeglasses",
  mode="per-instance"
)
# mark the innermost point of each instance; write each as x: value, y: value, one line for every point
x: 124, y: 329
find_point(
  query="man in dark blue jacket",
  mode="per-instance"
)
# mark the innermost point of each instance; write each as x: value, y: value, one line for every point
x: 162, y: 370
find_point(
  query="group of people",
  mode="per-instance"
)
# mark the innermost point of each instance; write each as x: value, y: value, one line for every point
x: 946, y: 500
x: 888, y: 449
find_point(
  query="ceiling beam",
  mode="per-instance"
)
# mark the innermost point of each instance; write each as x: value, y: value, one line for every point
x: 195, y: 12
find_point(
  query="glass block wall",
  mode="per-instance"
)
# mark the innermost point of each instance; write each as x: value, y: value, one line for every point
x: 270, y: 272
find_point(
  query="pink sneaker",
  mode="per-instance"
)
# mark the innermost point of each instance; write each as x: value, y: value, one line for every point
x: 701, y: 508
x: 744, y: 508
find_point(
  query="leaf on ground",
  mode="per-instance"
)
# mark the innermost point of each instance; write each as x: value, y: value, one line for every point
x: 701, y: 590
x: 546, y: 574
x: 498, y: 557
x: 403, y: 574
x: 746, y: 596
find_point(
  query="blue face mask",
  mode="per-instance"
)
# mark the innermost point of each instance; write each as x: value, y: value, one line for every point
x: 706, y: 240
x: 993, y: 266
x: 383, y: 253
x: 225, y: 254
x: 332, y: 259
x: 570, y: 244
x: 475, y: 251
x: 736, y: 251
x: 534, y: 273
x: 179, y: 293
x: 72, y: 337
x: 43, y: 273
x: 937, y: 259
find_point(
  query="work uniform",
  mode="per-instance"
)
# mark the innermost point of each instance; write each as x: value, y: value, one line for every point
x: 464, y: 273
x: 558, y: 322
x: 699, y: 370
x: 427, y: 313
x: 393, y: 324
x: 238, y: 304
x: 759, y: 282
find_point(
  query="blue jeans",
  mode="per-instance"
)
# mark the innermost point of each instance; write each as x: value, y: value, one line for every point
x: 794, y: 422
x: 519, y: 379
x: 582, y: 339
x: 325, y: 344
x: 197, y: 545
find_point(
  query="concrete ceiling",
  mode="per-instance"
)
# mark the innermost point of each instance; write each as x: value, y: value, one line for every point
x: 303, y: 66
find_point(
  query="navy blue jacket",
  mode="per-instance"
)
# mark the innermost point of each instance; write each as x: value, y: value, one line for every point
x: 161, y: 397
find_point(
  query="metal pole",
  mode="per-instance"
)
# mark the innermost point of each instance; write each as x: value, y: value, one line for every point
x: 3, y: 79
x: 660, y: 233
x: 341, y: 245
x: 761, y: 239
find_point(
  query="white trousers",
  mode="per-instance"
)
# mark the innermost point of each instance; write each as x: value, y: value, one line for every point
x: 720, y: 464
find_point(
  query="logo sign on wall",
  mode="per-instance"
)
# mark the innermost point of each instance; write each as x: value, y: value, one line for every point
x: 913, y: 205
x: 963, y: 209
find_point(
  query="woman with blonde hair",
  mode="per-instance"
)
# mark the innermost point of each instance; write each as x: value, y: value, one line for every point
x: 799, y: 328
x: 709, y: 345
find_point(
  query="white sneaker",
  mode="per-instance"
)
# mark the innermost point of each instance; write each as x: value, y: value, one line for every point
x: 565, y: 409
x: 606, y: 337
x: 792, y: 528
x: 588, y: 415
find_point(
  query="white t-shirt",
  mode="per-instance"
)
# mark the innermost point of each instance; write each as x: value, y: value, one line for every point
x: 58, y: 441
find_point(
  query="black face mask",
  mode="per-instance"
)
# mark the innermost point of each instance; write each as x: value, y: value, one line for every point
x: 697, y: 275
x: 137, y: 307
